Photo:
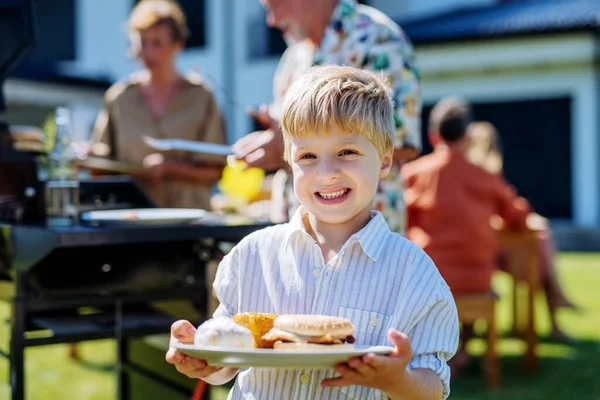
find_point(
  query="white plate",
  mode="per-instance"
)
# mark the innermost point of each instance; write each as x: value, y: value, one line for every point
x: 188, y: 145
x: 270, y: 358
x: 143, y: 216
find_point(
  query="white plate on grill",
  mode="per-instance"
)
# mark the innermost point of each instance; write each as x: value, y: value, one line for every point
x: 270, y: 358
x: 143, y: 216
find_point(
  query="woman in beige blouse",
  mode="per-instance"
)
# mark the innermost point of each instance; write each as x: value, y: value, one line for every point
x: 161, y: 103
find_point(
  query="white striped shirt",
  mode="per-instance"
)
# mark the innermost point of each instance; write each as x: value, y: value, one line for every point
x: 379, y: 280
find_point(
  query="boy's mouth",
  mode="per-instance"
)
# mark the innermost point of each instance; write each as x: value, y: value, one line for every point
x: 333, y: 195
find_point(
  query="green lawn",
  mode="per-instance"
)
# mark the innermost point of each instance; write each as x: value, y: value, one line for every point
x: 568, y: 371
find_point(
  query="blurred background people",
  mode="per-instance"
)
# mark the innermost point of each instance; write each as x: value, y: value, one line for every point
x: 450, y: 202
x: 484, y: 148
x: 340, y: 32
x: 160, y: 102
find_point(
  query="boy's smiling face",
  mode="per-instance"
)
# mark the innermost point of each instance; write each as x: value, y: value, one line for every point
x: 336, y: 175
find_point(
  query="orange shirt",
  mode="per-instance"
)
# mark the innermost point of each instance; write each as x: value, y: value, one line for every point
x: 449, y: 204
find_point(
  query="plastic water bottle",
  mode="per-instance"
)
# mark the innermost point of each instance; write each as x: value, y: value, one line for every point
x: 62, y: 187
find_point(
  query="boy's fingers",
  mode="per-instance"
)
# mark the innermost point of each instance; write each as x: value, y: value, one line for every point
x: 173, y: 356
x: 375, y: 361
x: 198, y: 373
x: 183, y: 331
x: 191, y: 364
x: 362, y: 367
x: 402, y: 343
x: 349, y: 373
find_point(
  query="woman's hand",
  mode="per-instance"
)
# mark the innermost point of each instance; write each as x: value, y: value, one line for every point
x: 155, y: 167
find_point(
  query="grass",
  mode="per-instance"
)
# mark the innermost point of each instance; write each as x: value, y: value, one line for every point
x: 567, y: 371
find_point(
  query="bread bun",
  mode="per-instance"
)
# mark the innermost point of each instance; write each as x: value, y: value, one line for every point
x: 314, y: 325
x: 224, y: 332
x: 312, y: 346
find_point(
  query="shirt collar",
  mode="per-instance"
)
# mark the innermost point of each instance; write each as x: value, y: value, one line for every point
x: 371, y: 238
x: 296, y: 226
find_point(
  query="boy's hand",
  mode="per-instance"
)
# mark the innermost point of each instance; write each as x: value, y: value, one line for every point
x: 183, y: 332
x: 378, y: 372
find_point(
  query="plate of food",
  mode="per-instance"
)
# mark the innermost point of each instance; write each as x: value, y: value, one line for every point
x: 149, y: 216
x: 272, y: 341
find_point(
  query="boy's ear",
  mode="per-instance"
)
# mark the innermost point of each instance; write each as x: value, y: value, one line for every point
x: 386, y: 164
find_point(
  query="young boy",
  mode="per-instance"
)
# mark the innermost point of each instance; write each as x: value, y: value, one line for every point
x: 338, y: 257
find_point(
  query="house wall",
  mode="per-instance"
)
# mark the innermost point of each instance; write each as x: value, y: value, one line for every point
x: 237, y: 66
x: 535, y: 68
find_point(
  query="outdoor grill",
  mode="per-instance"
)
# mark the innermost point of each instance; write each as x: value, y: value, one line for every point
x: 67, y: 284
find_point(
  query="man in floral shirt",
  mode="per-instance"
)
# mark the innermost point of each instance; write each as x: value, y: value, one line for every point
x: 341, y: 32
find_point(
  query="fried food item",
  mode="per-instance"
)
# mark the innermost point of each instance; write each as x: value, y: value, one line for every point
x: 259, y: 324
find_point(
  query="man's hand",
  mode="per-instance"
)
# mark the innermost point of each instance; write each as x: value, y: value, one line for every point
x: 375, y: 371
x: 183, y: 332
x: 261, y: 149
x: 263, y: 117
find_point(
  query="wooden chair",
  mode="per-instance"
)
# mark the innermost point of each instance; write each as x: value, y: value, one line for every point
x: 475, y: 307
x: 522, y: 263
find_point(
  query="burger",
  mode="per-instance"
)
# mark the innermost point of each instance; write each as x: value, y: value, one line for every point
x: 303, y: 332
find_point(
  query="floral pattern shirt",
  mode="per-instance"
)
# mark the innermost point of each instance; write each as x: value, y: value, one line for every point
x: 363, y: 37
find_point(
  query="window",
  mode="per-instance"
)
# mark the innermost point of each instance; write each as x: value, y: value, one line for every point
x: 195, y: 14
x: 55, y: 24
x: 275, y: 43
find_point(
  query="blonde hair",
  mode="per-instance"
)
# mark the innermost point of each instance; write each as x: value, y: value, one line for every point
x: 483, y: 147
x: 344, y: 98
x: 150, y: 13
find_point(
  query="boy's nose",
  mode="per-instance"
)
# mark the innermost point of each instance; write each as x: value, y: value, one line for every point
x: 328, y: 171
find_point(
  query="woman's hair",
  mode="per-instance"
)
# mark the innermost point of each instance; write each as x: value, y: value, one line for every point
x: 150, y: 13
x: 344, y: 98
x: 484, y: 147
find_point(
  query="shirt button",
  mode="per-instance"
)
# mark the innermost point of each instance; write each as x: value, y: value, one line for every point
x: 373, y: 321
x: 317, y: 273
x: 304, y: 378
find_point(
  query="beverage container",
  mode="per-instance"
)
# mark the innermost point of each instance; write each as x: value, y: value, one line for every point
x: 62, y: 186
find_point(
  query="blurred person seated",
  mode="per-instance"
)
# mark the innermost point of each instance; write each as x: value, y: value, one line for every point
x: 450, y: 202
x: 159, y: 102
x: 484, y: 148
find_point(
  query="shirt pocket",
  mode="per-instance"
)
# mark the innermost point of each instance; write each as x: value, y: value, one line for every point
x: 370, y: 327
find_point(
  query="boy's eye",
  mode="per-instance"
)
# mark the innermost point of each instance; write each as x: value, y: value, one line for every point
x: 348, y: 152
x: 306, y: 156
